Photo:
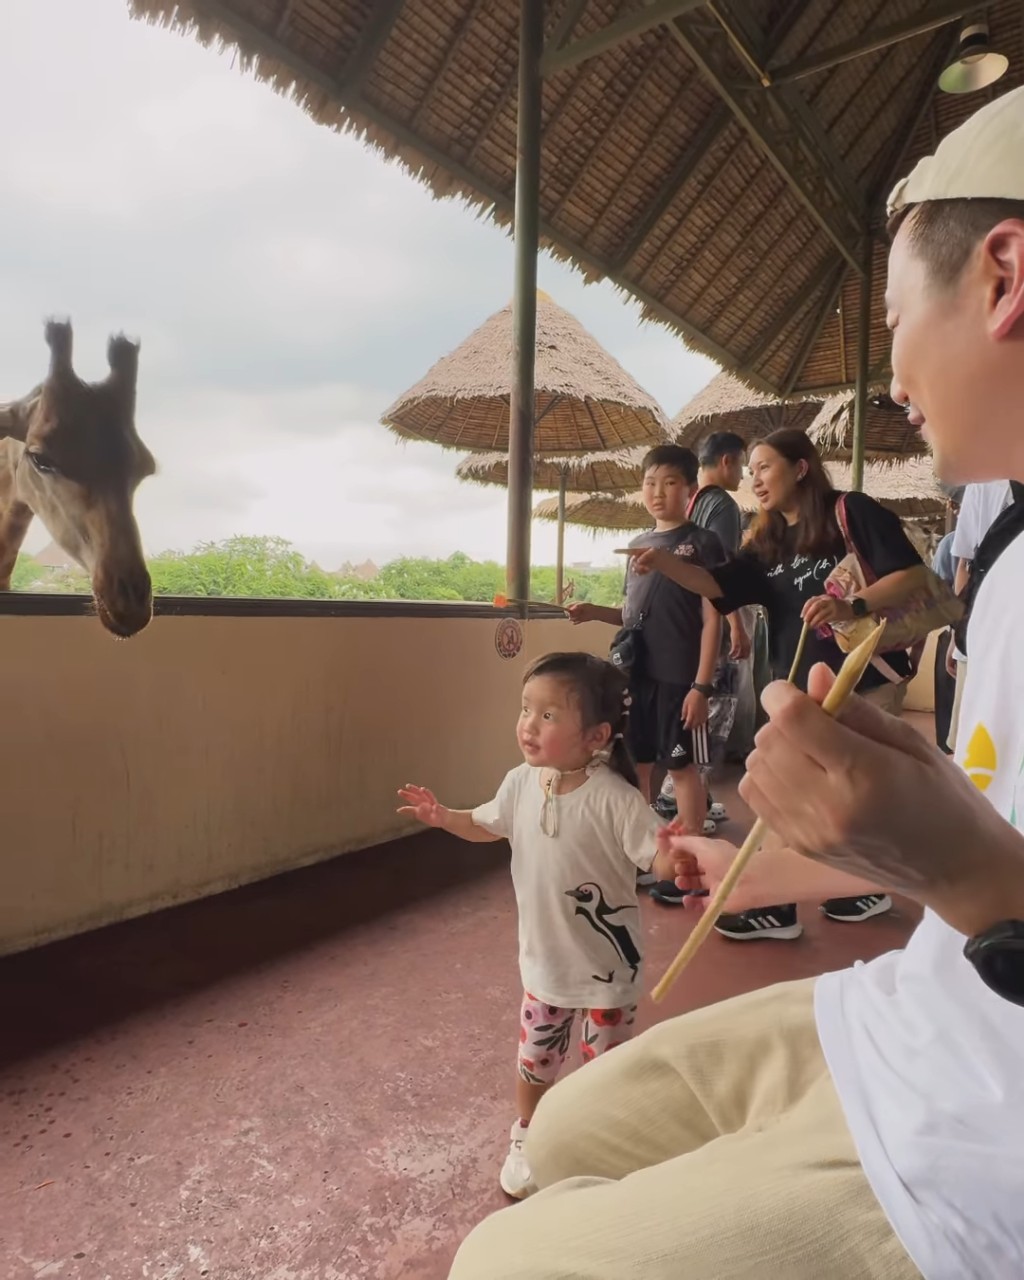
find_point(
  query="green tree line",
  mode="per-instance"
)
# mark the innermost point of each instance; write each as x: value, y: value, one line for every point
x: 272, y: 568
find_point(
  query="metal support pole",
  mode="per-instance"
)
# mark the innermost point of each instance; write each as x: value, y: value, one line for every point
x: 522, y: 406
x: 560, y: 556
x: 860, y: 407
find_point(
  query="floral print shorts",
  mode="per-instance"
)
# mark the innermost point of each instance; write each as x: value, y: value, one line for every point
x: 545, y: 1033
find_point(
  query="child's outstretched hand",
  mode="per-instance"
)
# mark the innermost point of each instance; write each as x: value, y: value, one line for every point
x: 700, y: 865
x: 421, y: 803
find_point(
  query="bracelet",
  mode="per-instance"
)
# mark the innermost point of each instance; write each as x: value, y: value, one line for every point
x: 706, y: 689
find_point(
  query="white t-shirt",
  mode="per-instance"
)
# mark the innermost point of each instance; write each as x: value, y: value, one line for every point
x: 927, y: 1061
x: 579, y: 926
x: 982, y: 505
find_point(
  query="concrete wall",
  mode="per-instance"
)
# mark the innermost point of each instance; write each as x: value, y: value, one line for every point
x: 211, y: 751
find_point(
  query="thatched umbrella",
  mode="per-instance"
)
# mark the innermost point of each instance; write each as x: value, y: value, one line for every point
x: 726, y: 404
x: 614, y: 471
x: 598, y: 510
x: 909, y: 488
x: 585, y: 401
x: 888, y: 434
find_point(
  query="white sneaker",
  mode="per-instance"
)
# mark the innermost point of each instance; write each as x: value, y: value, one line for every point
x: 710, y: 827
x: 516, y: 1179
x: 717, y: 812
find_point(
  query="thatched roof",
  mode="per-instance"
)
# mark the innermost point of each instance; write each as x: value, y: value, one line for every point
x: 598, y: 511
x: 888, y: 433
x: 731, y: 211
x: 613, y: 472
x: 585, y: 400
x: 910, y: 488
x: 726, y: 404
x: 53, y: 556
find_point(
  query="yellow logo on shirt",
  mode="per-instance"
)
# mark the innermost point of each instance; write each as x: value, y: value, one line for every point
x: 980, y: 760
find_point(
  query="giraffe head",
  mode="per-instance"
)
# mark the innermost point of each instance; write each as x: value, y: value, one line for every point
x: 80, y: 466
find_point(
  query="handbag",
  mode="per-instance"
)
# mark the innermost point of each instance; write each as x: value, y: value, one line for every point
x: 929, y: 606
x: 627, y: 646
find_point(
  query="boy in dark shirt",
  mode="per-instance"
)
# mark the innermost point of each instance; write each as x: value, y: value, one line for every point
x: 677, y: 642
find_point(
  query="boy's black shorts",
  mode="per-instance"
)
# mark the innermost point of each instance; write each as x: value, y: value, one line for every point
x: 656, y: 732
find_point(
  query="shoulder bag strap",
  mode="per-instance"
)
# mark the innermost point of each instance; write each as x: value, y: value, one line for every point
x: 842, y: 519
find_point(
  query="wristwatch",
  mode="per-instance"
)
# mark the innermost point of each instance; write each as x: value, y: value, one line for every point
x: 997, y: 954
x: 706, y: 689
x: 859, y: 606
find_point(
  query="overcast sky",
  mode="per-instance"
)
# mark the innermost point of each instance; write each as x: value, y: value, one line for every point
x: 286, y: 282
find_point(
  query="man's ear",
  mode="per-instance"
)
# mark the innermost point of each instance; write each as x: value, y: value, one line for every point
x: 1003, y: 258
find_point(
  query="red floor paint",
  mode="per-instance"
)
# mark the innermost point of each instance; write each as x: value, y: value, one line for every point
x: 306, y: 1079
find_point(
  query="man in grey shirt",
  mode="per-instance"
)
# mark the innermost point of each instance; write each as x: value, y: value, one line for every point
x: 721, y: 470
x: 722, y: 457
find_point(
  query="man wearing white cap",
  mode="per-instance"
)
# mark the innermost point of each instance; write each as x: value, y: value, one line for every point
x: 869, y: 1123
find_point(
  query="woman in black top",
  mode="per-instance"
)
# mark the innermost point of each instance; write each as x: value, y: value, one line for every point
x: 789, y: 550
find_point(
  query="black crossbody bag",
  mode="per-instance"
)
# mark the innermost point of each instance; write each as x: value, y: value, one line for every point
x: 627, y: 649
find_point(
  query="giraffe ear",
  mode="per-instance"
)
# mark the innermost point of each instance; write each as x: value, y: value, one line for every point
x: 123, y: 358
x: 59, y: 340
x: 16, y: 416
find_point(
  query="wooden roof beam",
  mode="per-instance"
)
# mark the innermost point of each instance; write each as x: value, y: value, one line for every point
x: 656, y: 13
x: 830, y: 300
x: 943, y: 52
x: 687, y: 164
x: 771, y: 334
x: 787, y: 137
x: 369, y: 43
x: 468, y: 16
x: 284, y: 17
x: 694, y: 155
x: 938, y: 15
x: 564, y: 27
x: 746, y: 38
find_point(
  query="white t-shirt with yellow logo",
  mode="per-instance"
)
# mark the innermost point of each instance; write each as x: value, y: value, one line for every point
x: 927, y: 1061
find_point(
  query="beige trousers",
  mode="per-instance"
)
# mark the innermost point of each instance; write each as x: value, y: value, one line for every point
x: 711, y: 1148
x: 954, y: 718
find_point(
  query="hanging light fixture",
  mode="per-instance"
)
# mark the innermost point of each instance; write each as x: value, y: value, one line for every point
x: 976, y: 65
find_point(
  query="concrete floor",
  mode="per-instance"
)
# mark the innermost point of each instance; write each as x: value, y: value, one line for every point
x: 305, y: 1079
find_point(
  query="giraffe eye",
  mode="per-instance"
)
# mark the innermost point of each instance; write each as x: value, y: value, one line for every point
x: 43, y: 463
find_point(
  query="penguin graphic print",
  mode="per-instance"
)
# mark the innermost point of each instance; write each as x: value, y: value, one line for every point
x: 595, y: 911
x: 580, y: 929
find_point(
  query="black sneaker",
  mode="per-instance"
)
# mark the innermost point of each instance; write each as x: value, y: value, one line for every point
x: 778, y: 922
x: 668, y: 893
x: 851, y: 910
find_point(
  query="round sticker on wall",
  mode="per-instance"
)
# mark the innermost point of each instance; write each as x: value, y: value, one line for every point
x: 508, y: 639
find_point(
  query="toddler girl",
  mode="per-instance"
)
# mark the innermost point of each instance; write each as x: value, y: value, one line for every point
x: 579, y: 829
